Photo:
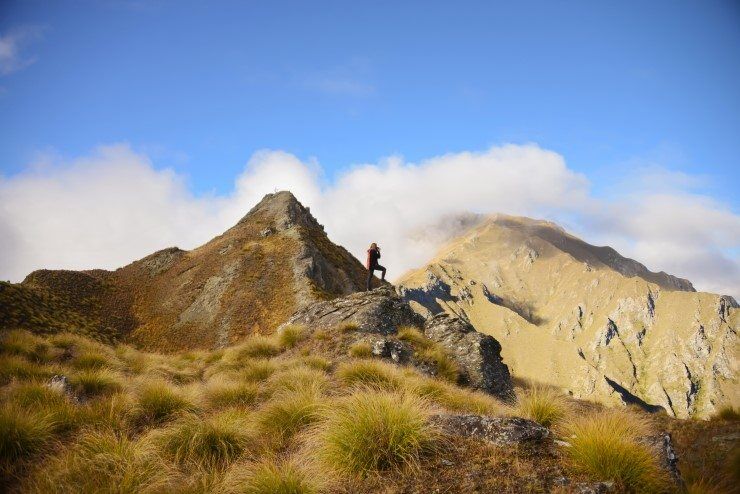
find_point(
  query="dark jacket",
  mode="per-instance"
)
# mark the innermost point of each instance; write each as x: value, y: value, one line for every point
x: 372, y: 258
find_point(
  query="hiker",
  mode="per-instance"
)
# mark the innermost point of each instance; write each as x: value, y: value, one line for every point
x: 373, y: 254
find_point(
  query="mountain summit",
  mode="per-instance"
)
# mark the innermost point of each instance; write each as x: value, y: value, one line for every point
x: 584, y: 318
x: 274, y: 261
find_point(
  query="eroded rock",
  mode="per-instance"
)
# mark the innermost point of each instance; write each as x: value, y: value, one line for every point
x: 478, y: 355
x: 501, y: 431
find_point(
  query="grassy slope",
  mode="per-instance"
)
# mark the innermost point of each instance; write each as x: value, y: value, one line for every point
x: 290, y: 413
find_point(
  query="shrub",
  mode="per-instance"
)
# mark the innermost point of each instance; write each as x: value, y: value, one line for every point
x: 271, y: 477
x: 103, y: 461
x: 370, y: 373
x: 445, y: 367
x: 158, y: 401
x: 288, y: 413
x: 541, y: 404
x: 227, y: 393
x: 415, y: 337
x: 361, y: 349
x: 290, y: 336
x: 96, y: 382
x: 211, y: 442
x: 604, y: 445
x: 372, y: 431
x: 22, y: 434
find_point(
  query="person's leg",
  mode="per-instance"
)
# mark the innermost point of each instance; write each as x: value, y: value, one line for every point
x: 369, y: 278
x: 382, y: 270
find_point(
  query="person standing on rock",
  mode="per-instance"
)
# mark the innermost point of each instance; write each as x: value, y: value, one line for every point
x: 373, y: 254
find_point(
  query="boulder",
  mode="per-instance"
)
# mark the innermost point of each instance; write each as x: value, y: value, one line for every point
x: 477, y: 355
x: 662, y: 445
x: 501, y: 431
x: 379, y: 311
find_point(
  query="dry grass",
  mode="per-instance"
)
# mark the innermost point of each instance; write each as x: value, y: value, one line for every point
x: 288, y: 413
x: 370, y: 373
x: 542, y: 404
x: 96, y: 382
x: 373, y: 431
x: 16, y: 367
x: 728, y: 413
x: 361, y: 349
x: 158, y: 401
x: 454, y: 398
x: 23, y: 433
x: 210, y: 443
x: 26, y: 345
x: 444, y: 366
x: 291, y: 335
x: 604, y: 445
x: 221, y: 393
x: 256, y: 347
x: 300, y: 378
x: 348, y: 327
x: 415, y: 337
x: 272, y: 476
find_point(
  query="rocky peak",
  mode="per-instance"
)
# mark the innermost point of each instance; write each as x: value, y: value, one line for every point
x: 284, y: 210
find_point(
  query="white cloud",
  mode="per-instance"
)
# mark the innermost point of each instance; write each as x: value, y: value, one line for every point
x: 12, y: 44
x: 109, y: 208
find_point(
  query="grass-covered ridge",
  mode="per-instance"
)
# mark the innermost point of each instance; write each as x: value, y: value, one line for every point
x: 292, y: 413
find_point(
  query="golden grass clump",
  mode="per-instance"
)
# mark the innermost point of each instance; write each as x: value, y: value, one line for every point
x: 212, y: 442
x: 361, y: 349
x: 299, y: 378
x: 291, y: 335
x: 134, y: 361
x: 96, y: 382
x: 542, y: 404
x: 255, y: 347
x: 370, y: 373
x: 728, y: 413
x: 605, y: 445
x: 23, y: 433
x: 16, y: 367
x: 317, y: 362
x: 372, y: 431
x: 25, y: 344
x: 445, y: 367
x: 348, y: 327
x: 257, y: 370
x: 287, y: 414
x: 103, y: 461
x: 89, y: 360
x: 158, y: 401
x: 271, y: 476
x: 415, y: 337
x: 221, y: 393
x: 454, y: 398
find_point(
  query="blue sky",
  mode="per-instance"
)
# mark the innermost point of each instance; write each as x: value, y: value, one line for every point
x: 624, y: 116
x: 202, y: 85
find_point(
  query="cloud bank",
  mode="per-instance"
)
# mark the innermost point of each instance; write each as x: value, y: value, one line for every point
x: 12, y: 44
x: 113, y: 206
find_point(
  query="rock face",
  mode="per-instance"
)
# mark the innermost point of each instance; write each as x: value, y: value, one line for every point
x: 275, y: 260
x: 501, y: 431
x: 478, y: 355
x: 378, y: 314
x: 377, y: 311
x: 584, y: 318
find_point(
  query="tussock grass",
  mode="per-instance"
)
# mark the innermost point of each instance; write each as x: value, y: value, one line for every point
x: 348, y: 327
x: 16, y: 367
x: 370, y: 373
x: 158, y: 401
x: 103, y: 461
x: 37, y: 398
x: 110, y: 412
x: 96, y: 382
x: 361, y: 349
x: 454, y: 398
x: 542, y: 404
x: 25, y: 344
x: 255, y: 347
x: 604, y: 445
x: 291, y: 335
x: 287, y: 414
x: 212, y: 442
x: 445, y: 367
x: 320, y: 335
x: 316, y: 362
x: 90, y: 360
x: 728, y: 413
x: 257, y: 370
x: 415, y: 337
x: 300, y: 378
x: 32, y: 394
x: 23, y: 433
x: 134, y: 361
x: 222, y: 393
x: 372, y: 431
x: 271, y: 476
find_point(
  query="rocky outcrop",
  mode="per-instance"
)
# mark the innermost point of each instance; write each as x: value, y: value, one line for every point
x: 662, y: 445
x: 378, y: 311
x: 478, y: 355
x: 501, y: 431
